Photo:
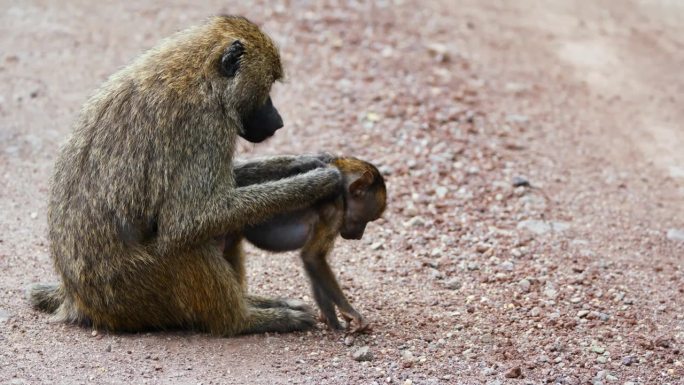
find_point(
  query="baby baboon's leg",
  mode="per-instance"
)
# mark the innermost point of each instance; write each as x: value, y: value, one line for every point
x: 325, y: 285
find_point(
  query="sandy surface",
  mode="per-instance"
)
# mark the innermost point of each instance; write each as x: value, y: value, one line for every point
x: 467, y: 280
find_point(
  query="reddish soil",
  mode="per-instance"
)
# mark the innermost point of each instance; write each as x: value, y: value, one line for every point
x: 454, y: 101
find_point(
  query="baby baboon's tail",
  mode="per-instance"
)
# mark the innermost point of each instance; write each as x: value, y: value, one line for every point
x: 45, y: 297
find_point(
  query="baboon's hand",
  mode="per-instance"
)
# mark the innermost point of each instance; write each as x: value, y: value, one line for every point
x: 325, y: 157
x: 306, y: 163
x: 327, y: 179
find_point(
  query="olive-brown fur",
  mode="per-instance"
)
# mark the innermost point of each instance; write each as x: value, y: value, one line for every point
x: 147, y: 182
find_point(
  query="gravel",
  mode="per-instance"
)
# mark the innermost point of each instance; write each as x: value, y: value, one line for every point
x: 452, y: 103
x: 543, y: 227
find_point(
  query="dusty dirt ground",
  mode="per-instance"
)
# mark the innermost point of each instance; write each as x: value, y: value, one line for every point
x: 468, y: 279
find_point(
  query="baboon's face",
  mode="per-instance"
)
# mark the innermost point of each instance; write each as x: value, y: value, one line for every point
x: 364, y: 202
x: 260, y: 121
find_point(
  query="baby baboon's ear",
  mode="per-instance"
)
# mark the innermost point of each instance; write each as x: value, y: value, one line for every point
x: 361, y: 184
x: 230, y: 62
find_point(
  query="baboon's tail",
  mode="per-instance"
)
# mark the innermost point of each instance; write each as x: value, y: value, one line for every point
x: 45, y: 297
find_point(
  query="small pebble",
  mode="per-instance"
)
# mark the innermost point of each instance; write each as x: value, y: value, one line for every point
x: 362, y: 354
x: 515, y: 372
x: 535, y: 312
x: 507, y: 265
x: 524, y: 285
x: 628, y: 360
x: 4, y: 315
x: 108, y: 348
x: 349, y: 340
x: 453, y: 284
x: 675, y: 235
x: 482, y: 247
x: 415, y: 222
x: 407, y: 359
x: 488, y: 372
x: 598, y: 349
x: 519, y: 181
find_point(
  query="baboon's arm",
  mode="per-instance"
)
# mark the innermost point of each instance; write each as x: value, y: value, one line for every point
x: 201, y: 208
x: 265, y: 169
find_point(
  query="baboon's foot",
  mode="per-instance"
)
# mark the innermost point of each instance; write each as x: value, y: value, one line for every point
x: 290, y: 303
x: 279, y: 319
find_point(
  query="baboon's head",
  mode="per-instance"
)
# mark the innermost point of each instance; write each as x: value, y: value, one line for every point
x: 223, y: 68
x: 365, y: 196
x: 247, y: 64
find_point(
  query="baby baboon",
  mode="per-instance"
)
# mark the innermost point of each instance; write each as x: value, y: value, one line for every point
x: 147, y: 183
x: 314, y: 229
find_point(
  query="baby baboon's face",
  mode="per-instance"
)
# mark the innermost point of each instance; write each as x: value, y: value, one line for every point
x: 365, y: 201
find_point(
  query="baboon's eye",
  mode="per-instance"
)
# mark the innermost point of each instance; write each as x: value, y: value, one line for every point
x: 230, y: 61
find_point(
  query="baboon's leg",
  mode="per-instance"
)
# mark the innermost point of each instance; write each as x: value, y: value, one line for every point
x: 209, y: 289
x: 234, y: 253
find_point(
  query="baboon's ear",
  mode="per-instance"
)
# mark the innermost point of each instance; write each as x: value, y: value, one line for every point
x: 360, y: 185
x: 230, y: 62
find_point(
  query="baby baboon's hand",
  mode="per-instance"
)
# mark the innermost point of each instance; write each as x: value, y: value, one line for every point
x: 356, y: 322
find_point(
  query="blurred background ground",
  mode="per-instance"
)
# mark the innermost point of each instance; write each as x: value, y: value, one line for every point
x: 468, y: 279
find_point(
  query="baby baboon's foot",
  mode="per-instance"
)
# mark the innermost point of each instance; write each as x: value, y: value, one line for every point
x: 330, y: 320
x: 279, y: 319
